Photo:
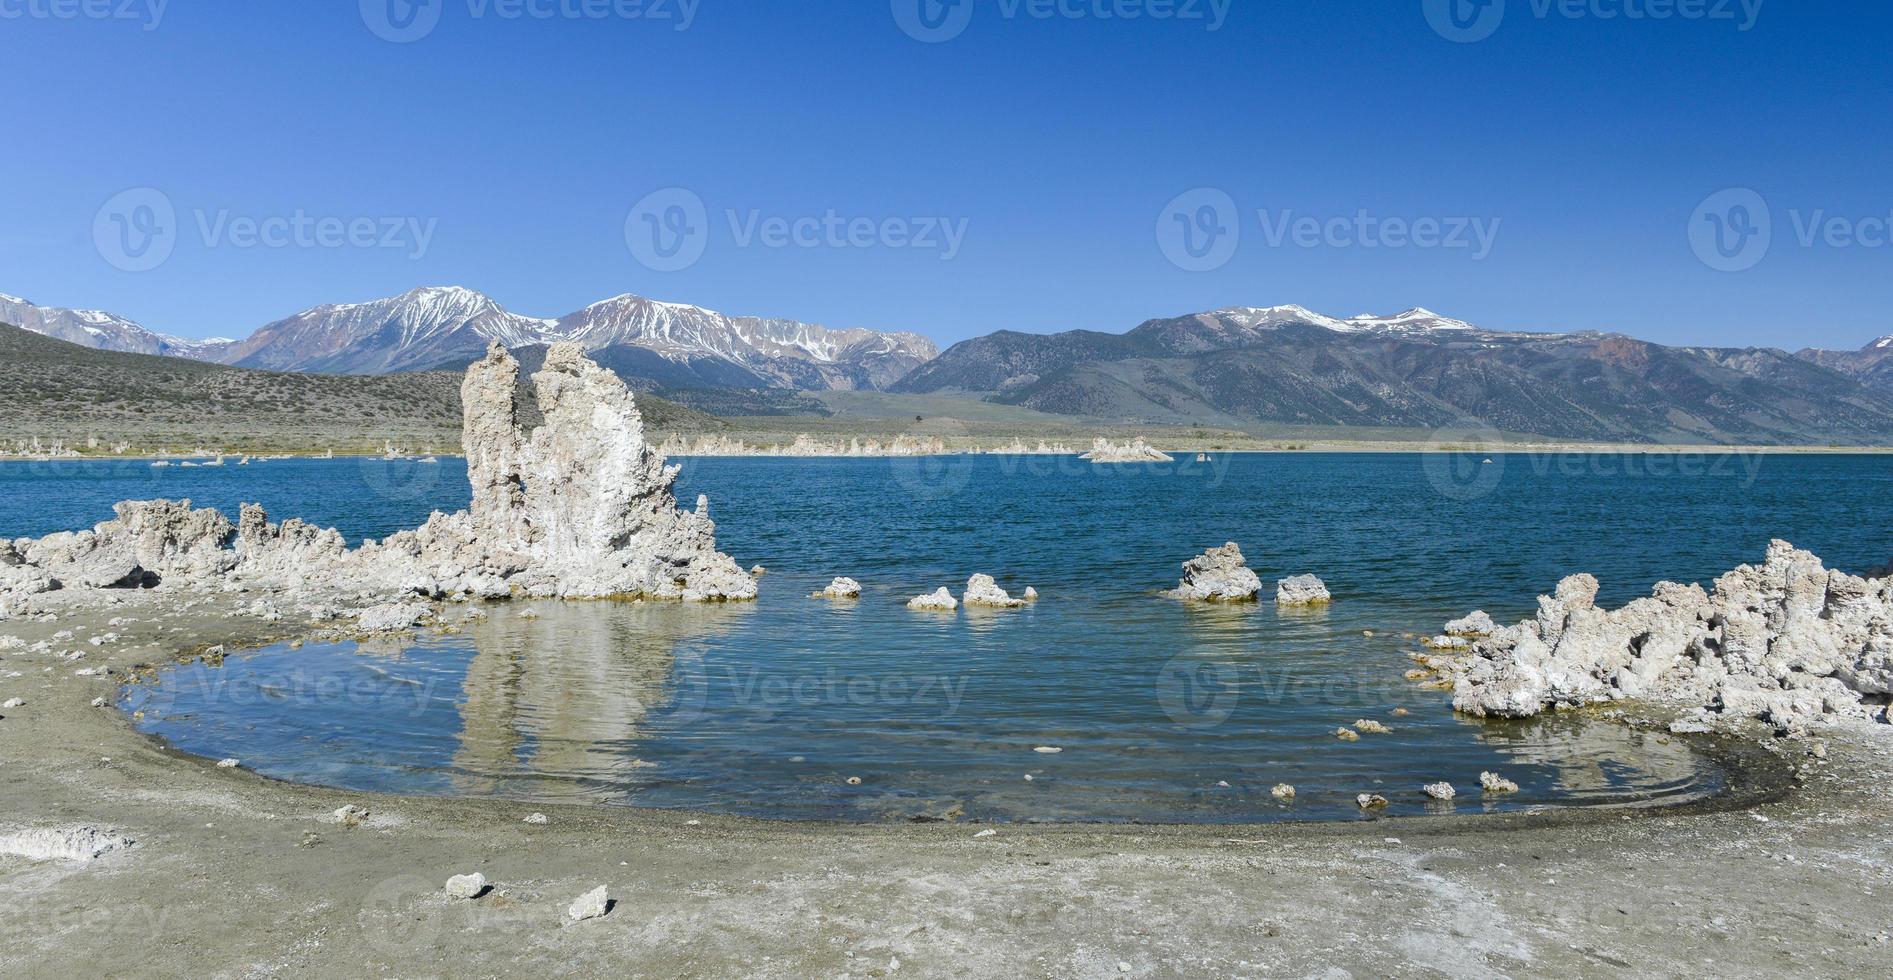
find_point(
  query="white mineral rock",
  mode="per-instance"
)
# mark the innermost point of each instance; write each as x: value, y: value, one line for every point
x: 1789, y: 642
x: 1283, y: 791
x: 349, y: 815
x: 1492, y: 782
x: 393, y: 616
x: 1370, y: 801
x: 228, y: 763
x: 1135, y: 451
x: 580, y: 507
x: 1302, y: 590
x: 591, y: 905
x: 840, y: 588
x: 539, y: 819
x: 1476, y: 625
x: 981, y: 590
x: 1439, y: 791
x: 63, y: 843
x: 13, y: 703
x: 466, y: 886
x: 1371, y: 727
x: 1218, y: 575
x: 940, y: 601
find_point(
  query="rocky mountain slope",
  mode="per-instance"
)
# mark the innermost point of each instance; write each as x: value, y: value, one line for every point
x: 1872, y: 364
x: 55, y: 390
x: 101, y: 330
x: 650, y: 343
x: 1289, y: 365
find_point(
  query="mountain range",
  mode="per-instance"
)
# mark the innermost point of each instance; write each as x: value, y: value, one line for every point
x: 669, y: 345
x: 1290, y: 365
x: 1237, y: 366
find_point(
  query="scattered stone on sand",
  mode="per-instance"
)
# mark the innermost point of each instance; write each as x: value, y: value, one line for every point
x: 1135, y: 451
x: 1477, y: 625
x: 349, y: 815
x: 841, y: 588
x: 1789, y: 642
x: 13, y: 703
x: 101, y: 703
x: 941, y: 601
x: 537, y: 819
x: 981, y: 590
x: 1439, y: 790
x: 1283, y: 791
x: 1492, y: 782
x: 987, y: 833
x: 1347, y: 734
x: 1218, y: 575
x: 1369, y: 726
x: 591, y: 905
x: 229, y: 763
x: 1370, y: 801
x: 63, y: 843
x: 1302, y: 590
x: 466, y: 886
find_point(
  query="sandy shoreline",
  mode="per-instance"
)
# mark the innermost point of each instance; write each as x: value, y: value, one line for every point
x: 238, y: 875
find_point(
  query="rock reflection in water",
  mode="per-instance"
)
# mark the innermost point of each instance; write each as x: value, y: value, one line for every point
x: 567, y: 694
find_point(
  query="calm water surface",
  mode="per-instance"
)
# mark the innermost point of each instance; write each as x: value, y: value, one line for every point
x: 1162, y: 712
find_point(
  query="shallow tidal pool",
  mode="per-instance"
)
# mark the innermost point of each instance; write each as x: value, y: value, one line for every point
x: 801, y: 709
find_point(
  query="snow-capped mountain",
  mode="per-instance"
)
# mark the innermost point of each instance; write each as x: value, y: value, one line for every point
x: 420, y: 329
x: 1872, y: 364
x: 661, y: 344
x: 101, y: 330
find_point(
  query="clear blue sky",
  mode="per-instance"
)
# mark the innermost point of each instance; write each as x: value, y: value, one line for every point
x: 1058, y: 141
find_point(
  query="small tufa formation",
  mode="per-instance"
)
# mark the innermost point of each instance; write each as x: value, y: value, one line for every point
x: 840, y: 588
x: 1478, y: 625
x: 1789, y: 642
x: 940, y: 601
x: 1217, y: 575
x: 1440, y: 790
x: 1492, y: 782
x: 1135, y: 451
x: 1371, y: 801
x: 1283, y: 791
x: 1368, y: 726
x: 1302, y: 590
x: 981, y: 590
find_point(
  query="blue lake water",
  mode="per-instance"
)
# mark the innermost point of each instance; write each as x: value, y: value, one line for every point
x: 1162, y: 712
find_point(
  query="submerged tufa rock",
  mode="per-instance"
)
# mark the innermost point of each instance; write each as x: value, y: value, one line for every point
x: 940, y: 601
x: 1218, y: 575
x: 981, y: 590
x: 840, y: 588
x: 1302, y: 590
